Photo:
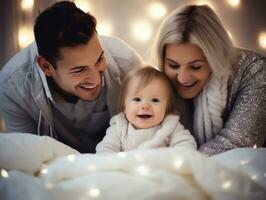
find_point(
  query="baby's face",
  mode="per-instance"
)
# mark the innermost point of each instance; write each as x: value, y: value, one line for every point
x: 147, y: 107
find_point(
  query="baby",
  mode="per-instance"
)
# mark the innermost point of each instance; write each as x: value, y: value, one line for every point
x: 147, y: 118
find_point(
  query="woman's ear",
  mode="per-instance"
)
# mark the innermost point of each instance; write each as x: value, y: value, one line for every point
x: 45, y: 65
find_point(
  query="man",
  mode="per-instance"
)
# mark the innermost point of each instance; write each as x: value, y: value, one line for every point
x: 69, y: 89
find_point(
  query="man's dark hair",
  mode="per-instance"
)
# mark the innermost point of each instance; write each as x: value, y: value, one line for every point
x: 62, y: 25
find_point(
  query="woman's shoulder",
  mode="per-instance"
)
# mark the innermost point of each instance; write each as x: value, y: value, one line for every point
x: 247, y: 57
x: 249, y: 62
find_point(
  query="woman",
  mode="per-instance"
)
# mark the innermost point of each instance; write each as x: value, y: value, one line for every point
x: 223, y: 88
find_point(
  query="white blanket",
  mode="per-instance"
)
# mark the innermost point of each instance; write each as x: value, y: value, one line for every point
x: 35, y: 167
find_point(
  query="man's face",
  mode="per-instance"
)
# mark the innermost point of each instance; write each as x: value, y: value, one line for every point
x: 79, y: 69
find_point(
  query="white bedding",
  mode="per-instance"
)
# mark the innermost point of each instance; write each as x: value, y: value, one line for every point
x: 42, y: 168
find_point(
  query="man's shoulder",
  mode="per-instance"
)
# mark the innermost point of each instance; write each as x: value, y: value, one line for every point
x: 18, y: 70
x: 19, y: 64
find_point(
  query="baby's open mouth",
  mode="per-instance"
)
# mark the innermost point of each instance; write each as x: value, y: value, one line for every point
x: 144, y: 116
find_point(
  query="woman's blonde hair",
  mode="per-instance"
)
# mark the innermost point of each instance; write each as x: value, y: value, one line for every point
x: 146, y: 74
x: 198, y: 25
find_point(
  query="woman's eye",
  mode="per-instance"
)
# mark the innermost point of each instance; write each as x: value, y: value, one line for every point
x: 155, y: 100
x: 195, y: 67
x: 173, y: 66
x: 136, y: 99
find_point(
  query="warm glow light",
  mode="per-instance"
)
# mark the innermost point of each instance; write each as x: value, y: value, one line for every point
x: 244, y: 162
x: 25, y: 36
x: 143, y: 170
x: 234, y: 3
x: 93, y: 192
x: 44, y: 171
x: 157, y: 10
x: 71, y: 158
x: 121, y: 154
x: 205, y: 2
x: 105, y: 28
x: 226, y: 184
x: 262, y: 40
x: 27, y: 4
x: 142, y: 30
x: 4, y: 173
x: 178, y: 163
x: 254, y: 177
x: 255, y: 146
x: 83, y: 5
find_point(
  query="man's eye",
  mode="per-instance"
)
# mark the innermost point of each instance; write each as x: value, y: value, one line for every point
x: 136, y: 99
x: 155, y: 100
x: 78, y: 71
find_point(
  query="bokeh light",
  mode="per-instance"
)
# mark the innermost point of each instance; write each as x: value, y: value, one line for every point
x: 157, y: 10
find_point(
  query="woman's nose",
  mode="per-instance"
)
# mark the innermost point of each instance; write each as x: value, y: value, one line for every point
x: 183, y: 76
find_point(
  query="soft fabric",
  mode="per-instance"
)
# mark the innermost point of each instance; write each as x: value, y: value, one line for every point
x: 209, y: 106
x: 122, y: 136
x: 238, y: 119
x: 26, y: 100
x: 26, y: 152
x: 164, y: 173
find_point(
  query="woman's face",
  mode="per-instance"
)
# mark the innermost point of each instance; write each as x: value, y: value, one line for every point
x: 187, y: 67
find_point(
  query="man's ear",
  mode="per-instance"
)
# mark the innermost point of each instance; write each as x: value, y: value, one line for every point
x: 45, y: 65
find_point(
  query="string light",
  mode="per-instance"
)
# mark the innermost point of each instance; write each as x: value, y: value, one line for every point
x: 71, y: 158
x: 105, y: 28
x: 234, y: 3
x: 143, y: 170
x: 226, y: 184
x: 27, y: 5
x: 121, y: 154
x: 178, y: 163
x: 254, y: 177
x: 157, y: 10
x: 25, y: 36
x: 142, y: 30
x: 205, y: 2
x: 83, y: 5
x: 4, y: 173
x: 244, y: 162
x: 44, y: 171
x: 262, y: 40
x: 94, y: 192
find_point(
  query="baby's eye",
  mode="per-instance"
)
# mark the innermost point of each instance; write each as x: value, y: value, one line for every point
x: 155, y: 100
x: 136, y: 99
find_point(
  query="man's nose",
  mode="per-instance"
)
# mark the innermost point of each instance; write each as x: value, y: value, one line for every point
x: 93, y: 75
